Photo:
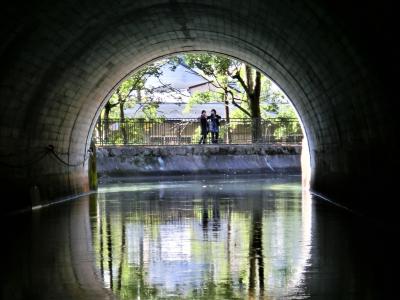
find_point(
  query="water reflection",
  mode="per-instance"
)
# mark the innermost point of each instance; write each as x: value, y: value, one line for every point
x: 209, y: 238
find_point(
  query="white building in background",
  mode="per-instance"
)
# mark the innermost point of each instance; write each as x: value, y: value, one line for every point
x: 180, y: 79
x: 177, y: 110
x: 206, y: 86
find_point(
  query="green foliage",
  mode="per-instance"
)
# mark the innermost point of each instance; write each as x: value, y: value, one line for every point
x: 286, y: 117
x: 287, y: 111
x: 150, y: 111
x: 268, y: 108
x: 209, y: 64
x: 202, y: 98
x: 126, y: 93
x: 271, y: 100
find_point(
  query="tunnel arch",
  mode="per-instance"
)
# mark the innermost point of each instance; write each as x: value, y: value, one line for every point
x: 66, y: 59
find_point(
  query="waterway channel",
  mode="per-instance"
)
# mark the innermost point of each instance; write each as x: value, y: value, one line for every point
x: 214, y: 237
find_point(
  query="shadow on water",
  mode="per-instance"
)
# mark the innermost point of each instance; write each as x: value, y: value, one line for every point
x: 203, y: 238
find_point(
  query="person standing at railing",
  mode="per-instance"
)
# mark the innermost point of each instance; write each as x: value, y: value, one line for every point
x: 204, y: 127
x: 214, y: 126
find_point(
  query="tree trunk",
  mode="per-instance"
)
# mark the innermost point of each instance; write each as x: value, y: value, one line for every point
x: 92, y: 167
x: 256, y: 119
x: 254, y: 99
x: 100, y: 130
x: 122, y: 122
x: 227, y: 119
x: 253, y: 92
x: 107, y: 110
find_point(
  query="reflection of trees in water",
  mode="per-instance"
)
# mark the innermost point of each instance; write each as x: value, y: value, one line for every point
x: 239, y: 225
x: 123, y: 249
x: 109, y: 249
x: 256, y: 263
x: 110, y: 235
x: 216, y: 214
x: 204, y: 218
x: 97, y: 230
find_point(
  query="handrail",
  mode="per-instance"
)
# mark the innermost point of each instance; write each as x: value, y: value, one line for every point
x: 181, y: 131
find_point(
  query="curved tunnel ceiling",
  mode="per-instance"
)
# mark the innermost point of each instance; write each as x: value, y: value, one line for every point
x: 61, y: 61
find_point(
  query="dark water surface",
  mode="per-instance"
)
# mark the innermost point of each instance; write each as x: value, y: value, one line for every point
x: 203, y: 238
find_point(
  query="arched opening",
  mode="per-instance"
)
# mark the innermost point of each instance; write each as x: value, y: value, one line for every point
x: 272, y: 87
x: 160, y: 105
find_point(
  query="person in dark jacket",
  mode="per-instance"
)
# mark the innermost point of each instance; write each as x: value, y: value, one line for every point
x: 214, y: 126
x: 204, y: 127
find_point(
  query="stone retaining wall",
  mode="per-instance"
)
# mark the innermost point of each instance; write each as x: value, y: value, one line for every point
x: 197, y: 159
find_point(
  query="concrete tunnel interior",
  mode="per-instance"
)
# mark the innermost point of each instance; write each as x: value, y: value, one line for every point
x: 60, y: 61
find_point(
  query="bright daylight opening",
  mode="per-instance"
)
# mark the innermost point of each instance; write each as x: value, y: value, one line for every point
x: 192, y: 151
x: 161, y: 103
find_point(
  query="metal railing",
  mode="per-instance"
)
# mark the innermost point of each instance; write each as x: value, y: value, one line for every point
x: 187, y: 131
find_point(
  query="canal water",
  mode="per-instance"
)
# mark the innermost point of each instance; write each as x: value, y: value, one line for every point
x: 243, y: 237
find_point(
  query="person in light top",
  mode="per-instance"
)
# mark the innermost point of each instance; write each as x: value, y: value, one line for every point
x: 214, y: 126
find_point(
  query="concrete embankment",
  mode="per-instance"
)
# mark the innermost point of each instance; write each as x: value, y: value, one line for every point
x: 119, y: 161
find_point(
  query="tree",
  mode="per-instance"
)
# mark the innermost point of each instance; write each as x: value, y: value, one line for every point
x: 252, y: 87
x: 125, y: 93
x: 225, y: 75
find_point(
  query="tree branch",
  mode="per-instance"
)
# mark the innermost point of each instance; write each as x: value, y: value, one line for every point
x: 111, y: 105
x: 216, y: 79
x: 242, y: 83
x: 238, y: 106
x: 169, y: 87
x: 191, y: 70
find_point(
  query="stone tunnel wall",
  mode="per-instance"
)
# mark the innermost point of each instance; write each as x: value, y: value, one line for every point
x: 336, y: 60
x: 208, y: 159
